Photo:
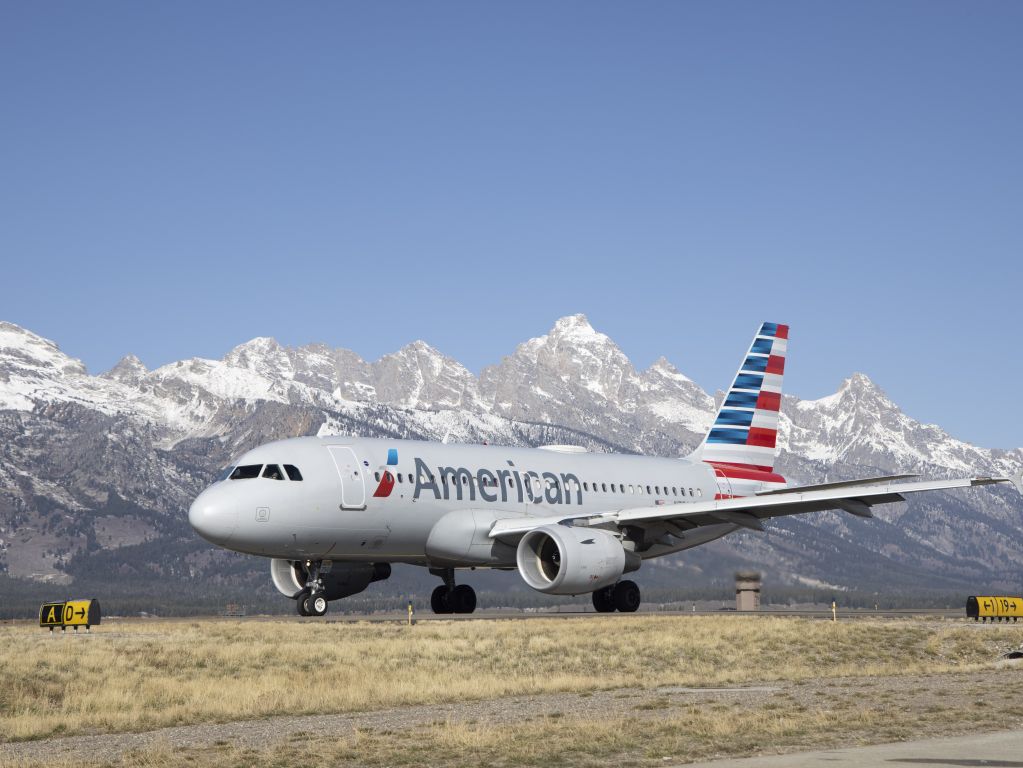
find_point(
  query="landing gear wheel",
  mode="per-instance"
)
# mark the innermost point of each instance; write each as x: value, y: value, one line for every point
x: 300, y: 599
x: 627, y: 597
x: 316, y: 604
x: 439, y: 600
x: 604, y: 600
x: 462, y: 599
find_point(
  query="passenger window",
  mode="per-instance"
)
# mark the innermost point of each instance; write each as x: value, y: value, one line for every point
x: 691, y: 492
x: 657, y: 490
x: 399, y: 477
x: 699, y: 491
x: 376, y: 476
x: 247, y: 472
x: 273, y: 472
x: 293, y: 473
x: 674, y: 491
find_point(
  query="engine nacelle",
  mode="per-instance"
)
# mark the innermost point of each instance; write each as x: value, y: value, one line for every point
x: 342, y: 580
x: 565, y: 560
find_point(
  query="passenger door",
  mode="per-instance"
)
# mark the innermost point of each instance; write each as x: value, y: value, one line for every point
x: 353, y: 480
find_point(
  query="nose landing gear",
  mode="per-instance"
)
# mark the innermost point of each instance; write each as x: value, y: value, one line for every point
x: 311, y: 599
x: 449, y: 598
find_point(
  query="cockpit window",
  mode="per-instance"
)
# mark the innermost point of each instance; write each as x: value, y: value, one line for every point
x: 247, y: 472
x: 293, y: 472
x: 224, y: 474
x: 273, y: 472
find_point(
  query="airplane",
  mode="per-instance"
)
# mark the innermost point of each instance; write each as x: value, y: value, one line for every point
x: 333, y: 513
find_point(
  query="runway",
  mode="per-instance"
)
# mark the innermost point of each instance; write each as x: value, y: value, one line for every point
x: 498, y: 614
x: 995, y: 750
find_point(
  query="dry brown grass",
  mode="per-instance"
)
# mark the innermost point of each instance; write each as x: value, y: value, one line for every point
x: 686, y: 734
x: 138, y: 676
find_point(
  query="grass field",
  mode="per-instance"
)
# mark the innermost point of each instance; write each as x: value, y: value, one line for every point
x: 135, y: 676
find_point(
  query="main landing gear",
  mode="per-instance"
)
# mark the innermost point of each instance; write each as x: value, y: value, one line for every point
x: 311, y: 599
x: 449, y: 598
x: 623, y: 596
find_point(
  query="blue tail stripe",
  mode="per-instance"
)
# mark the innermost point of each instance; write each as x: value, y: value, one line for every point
x: 769, y: 329
x: 741, y: 400
x: 732, y: 436
x: 748, y: 381
x: 732, y: 418
x: 762, y: 346
x: 755, y: 364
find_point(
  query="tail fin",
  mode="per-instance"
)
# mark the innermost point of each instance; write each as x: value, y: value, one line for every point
x: 745, y: 432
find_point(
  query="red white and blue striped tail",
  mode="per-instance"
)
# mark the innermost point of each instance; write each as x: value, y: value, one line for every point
x: 744, y: 435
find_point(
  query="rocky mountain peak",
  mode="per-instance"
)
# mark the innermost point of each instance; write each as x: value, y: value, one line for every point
x: 573, y: 324
x: 862, y: 390
x: 420, y: 376
x: 663, y: 368
x: 20, y: 348
x: 420, y: 348
x: 129, y: 370
x: 262, y: 355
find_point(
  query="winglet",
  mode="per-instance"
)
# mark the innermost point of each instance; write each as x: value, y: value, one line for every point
x: 1017, y: 480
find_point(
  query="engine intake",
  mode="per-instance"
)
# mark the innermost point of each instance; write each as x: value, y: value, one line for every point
x: 565, y: 560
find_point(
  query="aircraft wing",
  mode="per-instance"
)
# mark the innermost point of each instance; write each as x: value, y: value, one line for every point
x: 855, y: 497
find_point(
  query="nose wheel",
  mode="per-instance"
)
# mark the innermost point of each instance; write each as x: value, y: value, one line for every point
x: 311, y: 603
x: 452, y: 598
x: 311, y: 600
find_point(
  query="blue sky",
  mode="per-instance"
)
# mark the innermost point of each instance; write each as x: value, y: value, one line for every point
x: 177, y: 178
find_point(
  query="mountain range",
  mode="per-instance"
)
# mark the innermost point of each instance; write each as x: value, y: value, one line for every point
x: 97, y: 471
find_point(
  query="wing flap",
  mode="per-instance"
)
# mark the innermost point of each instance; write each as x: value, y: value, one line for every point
x: 749, y: 511
x: 798, y: 502
x: 839, y: 484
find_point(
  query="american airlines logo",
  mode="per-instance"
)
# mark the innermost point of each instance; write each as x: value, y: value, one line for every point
x: 503, y: 485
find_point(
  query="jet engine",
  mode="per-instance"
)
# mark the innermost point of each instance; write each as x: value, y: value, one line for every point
x: 565, y: 560
x: 342, y: 580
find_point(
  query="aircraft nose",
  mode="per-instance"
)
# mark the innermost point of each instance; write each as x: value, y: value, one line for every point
x: 212, y: 516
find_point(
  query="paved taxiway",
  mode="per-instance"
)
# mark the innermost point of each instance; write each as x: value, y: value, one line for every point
x: 498, y: 613
x: 995, y: 750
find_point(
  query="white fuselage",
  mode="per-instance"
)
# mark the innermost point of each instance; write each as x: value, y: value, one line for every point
x: 352, y: 505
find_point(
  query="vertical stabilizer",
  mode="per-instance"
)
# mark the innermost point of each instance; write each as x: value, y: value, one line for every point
x: 745, y: 431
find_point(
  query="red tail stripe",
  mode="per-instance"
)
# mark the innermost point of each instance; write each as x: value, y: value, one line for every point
x: 764, y: 438
x: 769, y: 401
x: 775, y: 364
x: 783, y: 332
x: 746, y: 473
x: 752, y: 467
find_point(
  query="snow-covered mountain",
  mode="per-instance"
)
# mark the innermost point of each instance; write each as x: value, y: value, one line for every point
x: 97, y: 471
